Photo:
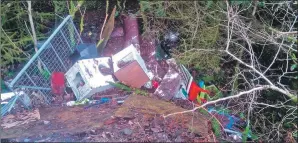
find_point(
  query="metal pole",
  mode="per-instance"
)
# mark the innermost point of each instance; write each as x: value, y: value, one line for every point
x: 32, y: 87
x: 11, y: 102
x: 58, y: 57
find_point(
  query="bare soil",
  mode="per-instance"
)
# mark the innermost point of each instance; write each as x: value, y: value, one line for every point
x: 138, y: 119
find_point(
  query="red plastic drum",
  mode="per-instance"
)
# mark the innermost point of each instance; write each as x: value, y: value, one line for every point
x: 58, y: 83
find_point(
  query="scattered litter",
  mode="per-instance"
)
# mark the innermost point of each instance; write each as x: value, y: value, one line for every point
x: 98, y: 102
x: 134, y: 66
x: 236, y: 137
x: 25, y: 100
x: 169, y: 42
x: 176, y: 83
x: 127, y: 131
x: 82, y: 102
x: 148, y: 85
x: 195, y: 91
x: 130, y: 68
x: 46, y: 122
x: 201, y: 84
x: 155, y: 84
x: 170, y: 85
x: 231, y: 123
x: 8, y: 95
x: 87, y: 51
x: 186, y: 80
x: 149, y: 54
x: 58, y: 83
x: 214, y: 93
x: 89, y: 76
x: 70, y: 103
x: 120, y: 102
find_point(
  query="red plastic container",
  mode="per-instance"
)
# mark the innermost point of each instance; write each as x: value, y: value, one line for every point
x: 58, y: 83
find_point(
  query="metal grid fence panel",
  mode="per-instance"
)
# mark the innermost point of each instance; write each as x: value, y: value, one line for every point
x: 52, y: 57
x: 23, y: 81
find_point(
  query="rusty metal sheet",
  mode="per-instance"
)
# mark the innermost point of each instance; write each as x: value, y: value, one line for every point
x: 132, y: 75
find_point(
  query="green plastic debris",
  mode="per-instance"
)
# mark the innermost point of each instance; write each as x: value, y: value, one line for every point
x: 213, y: 89
x: 184, y: 93
x: 82, y: 102
x: 46, y: 74
x: 245, y: 133
x: 294, y: 66
x: 216, y: 128
x: 242, y: 115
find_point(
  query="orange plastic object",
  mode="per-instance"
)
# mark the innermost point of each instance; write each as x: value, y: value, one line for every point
x: 57, y: 83
x: 195, y: 90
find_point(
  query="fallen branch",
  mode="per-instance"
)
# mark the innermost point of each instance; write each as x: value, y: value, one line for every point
x: 221, y: 99
x: 103, y: 25
x: 33, y: 33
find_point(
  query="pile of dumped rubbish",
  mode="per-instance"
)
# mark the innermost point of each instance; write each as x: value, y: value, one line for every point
x: 128, y: 67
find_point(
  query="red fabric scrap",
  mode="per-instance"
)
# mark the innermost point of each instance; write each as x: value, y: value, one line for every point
x: 155, y: 84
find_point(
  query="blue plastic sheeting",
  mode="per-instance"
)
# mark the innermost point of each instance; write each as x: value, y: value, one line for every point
x: 98, y: 102
x: 232, y: 121
x: 201, y: 84
x: 87, y: 51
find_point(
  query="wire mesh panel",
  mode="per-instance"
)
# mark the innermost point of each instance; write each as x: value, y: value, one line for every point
x: 34, y: 78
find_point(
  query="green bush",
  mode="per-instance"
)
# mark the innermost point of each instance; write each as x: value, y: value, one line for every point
x: 16, y: 40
